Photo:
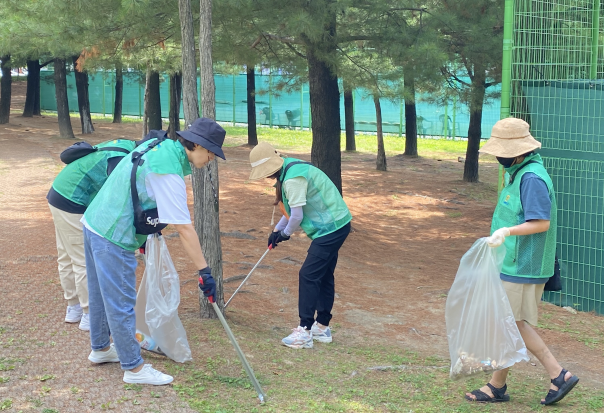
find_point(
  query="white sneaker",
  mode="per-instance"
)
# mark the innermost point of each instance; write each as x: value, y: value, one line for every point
x: 299, y: 338
x: 74, y: 313
x: 147, y: 375
x: 322, y: 336
x: 109, y: 356
x: 84, y: 322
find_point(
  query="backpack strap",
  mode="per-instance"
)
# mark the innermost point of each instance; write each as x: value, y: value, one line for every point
x: 292, y: 164
x: 137, y: 159
x: 114, y: 149
x: 518, y: 170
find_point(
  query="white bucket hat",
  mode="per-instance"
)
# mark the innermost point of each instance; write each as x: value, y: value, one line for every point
x: 510, y: 138
x: 265, y: 161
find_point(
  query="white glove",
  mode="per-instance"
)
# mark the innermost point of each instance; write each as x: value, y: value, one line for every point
x: 498, y: 237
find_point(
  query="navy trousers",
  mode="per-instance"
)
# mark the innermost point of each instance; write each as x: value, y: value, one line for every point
x: 316, y: 290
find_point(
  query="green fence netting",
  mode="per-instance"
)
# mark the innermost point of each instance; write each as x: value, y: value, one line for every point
x: 556, y: 86
x: 275, y: 108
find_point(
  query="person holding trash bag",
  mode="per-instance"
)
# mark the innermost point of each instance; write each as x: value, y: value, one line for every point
x: 525, y: 223
x: 74, y: 188
x: 146, y: 192
x: 309, y: 200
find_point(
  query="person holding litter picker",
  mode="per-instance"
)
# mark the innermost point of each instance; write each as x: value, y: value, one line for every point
x: 146, y: 192
x: 525, y: 222
x: 309, y: 200
x: 74, y: 188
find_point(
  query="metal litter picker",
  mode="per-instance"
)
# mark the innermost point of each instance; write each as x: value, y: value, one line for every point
x: 246, y: 366
x: 248, y: 276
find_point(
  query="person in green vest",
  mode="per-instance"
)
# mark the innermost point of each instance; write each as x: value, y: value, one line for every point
x: 311, y: 201
x: 525, y: 223
x: 134, y: 202
x: 70, y: 194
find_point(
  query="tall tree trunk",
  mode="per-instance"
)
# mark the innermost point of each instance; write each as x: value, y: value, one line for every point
x: 145, y: 100
x: 325, y: 102
x: 119, y: 93
x: 81, y: 79
x: 205, y: 180
x: 190, y: 104
x: 381, y: 152
x: 6, y: 85
x: 252, y: 135
x: 153, y: 102
x: 33, y: 88
x: 351, y: 144
x: 410, y: 116
x: 60, y: 75
x: 477, y: 92
x: 174, y: 115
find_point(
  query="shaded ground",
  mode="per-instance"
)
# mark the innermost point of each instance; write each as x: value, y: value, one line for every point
x: 412, y: 225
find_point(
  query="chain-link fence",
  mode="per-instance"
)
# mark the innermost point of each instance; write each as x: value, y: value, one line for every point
x: 288, y: 109
x: 557, y: 86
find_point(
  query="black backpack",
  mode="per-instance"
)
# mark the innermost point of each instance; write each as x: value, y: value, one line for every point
x: 80, y: 149
x: 146, y: 222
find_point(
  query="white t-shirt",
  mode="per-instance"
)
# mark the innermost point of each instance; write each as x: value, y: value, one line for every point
x: 295, y: 191
x: 170, y: 193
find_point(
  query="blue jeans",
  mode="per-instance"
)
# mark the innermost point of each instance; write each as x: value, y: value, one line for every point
x: 112, y: 295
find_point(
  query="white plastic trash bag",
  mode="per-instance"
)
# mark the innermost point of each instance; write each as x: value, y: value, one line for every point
x: 481, y: 329
x: 158, y: 327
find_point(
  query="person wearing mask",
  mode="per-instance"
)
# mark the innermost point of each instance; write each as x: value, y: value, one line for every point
x: 71, y: 193
x: 524, y: 221
x: 311, y: 201
x: 146, y: 192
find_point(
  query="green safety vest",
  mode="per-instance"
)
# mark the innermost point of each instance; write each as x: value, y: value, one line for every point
x: 111, y: 214
x: 532, y: 255
x: 325, y: 210
x: 81, y: 180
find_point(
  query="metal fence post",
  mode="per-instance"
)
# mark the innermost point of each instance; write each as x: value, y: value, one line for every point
x: 454, y: 112
x: 270, y: 98
x: 301, y: 105
x: 103, y: 77
x: 446, y: 120
x: 595, y: 32
x: 400, y: 121
x: 234, y: 99
x: 112, y: 94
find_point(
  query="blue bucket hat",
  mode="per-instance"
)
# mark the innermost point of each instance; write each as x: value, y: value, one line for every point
x: 206, y: 133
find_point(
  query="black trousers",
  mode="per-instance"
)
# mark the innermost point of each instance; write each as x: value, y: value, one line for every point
x: 316, y: 290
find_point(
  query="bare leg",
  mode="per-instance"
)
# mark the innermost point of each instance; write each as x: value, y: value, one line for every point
x: 535, y: 345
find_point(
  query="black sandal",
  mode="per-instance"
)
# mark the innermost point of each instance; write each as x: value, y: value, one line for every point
x: 564, y: 387
x: 499, y: 395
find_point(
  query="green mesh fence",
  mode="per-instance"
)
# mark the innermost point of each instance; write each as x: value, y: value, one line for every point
x: 275, y: 108
x: 556, y: 85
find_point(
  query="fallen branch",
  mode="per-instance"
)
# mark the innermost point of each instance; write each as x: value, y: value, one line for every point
x: 403, y: 367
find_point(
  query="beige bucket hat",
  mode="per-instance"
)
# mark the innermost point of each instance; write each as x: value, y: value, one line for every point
x: 510, y: 138
x: 265, y: 161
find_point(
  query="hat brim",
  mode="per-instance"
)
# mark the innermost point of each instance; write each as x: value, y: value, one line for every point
x: 267, y: 168
x: 203, y: 142
x: 510, y: 148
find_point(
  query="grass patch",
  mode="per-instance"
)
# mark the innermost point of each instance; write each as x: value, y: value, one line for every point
x: 336, y: 378
x: 301, y: 140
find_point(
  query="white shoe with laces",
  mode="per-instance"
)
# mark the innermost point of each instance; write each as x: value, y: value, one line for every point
x: 84, y: 323
x: 147, y: 375
x: 299, y: 338
x: 109, y: 356
x: 73, y: 314
x: 320, y: 335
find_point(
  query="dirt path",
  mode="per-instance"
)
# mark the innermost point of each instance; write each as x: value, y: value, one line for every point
x: 412, y: 225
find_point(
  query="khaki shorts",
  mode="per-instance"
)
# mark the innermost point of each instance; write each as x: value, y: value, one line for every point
x: 524, y: 299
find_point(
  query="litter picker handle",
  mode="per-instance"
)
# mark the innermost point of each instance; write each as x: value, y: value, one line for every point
x: 248, y: 276
x: 246, y: 365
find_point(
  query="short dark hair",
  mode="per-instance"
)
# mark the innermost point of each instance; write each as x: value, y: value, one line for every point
x: 187, y: 144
